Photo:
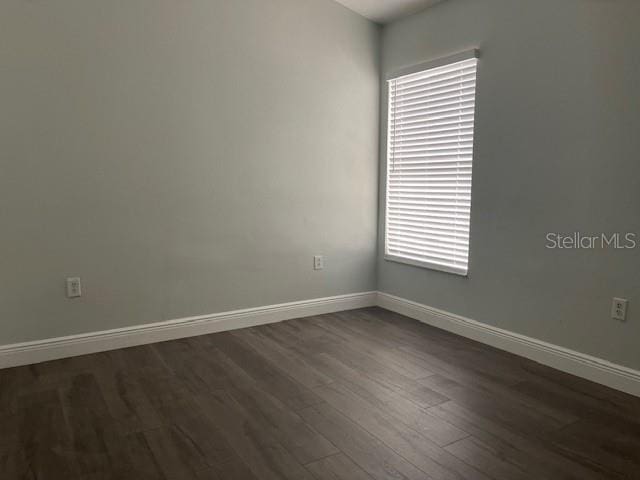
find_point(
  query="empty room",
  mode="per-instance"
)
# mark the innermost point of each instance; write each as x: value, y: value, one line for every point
x: 319, y: 239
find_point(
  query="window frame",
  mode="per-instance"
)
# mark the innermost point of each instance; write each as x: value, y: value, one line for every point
x: 440, y: 62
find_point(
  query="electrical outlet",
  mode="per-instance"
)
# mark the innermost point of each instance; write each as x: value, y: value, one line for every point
x: 619, y: 309
x: 318, y: 262
x: 74, y: 287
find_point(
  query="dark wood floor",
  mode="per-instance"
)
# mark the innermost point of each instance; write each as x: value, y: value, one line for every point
x: 359, y: 395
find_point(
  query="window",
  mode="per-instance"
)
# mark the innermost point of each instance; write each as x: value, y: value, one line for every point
x: 430, y: 154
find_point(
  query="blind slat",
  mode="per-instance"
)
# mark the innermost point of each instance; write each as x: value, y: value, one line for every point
x: 453, y: 89
x: 434, y: 82
x: 443, y: 121
x: 455, y: 98
x: 433, y: 114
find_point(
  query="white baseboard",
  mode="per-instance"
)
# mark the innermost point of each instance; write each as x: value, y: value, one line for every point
x: 575, y: 363
x: 569, y: 361
x: 86, y: 343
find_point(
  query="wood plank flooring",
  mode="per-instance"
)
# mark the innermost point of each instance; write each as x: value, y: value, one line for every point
x: 359, y: 395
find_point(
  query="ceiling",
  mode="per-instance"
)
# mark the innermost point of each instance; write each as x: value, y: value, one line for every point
x: 385, y: 11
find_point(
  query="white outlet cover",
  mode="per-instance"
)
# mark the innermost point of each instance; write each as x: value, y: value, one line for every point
x: 619, y: 309
x: 74, y: 287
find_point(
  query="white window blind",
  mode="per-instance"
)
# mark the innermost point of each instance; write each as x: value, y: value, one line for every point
x: 430, y: 155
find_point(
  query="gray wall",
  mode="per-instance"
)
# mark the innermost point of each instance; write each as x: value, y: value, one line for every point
x: 557, y: 150
x: 182, y: 157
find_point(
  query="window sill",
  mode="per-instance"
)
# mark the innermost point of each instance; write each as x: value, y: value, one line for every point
x: 429, y: 266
